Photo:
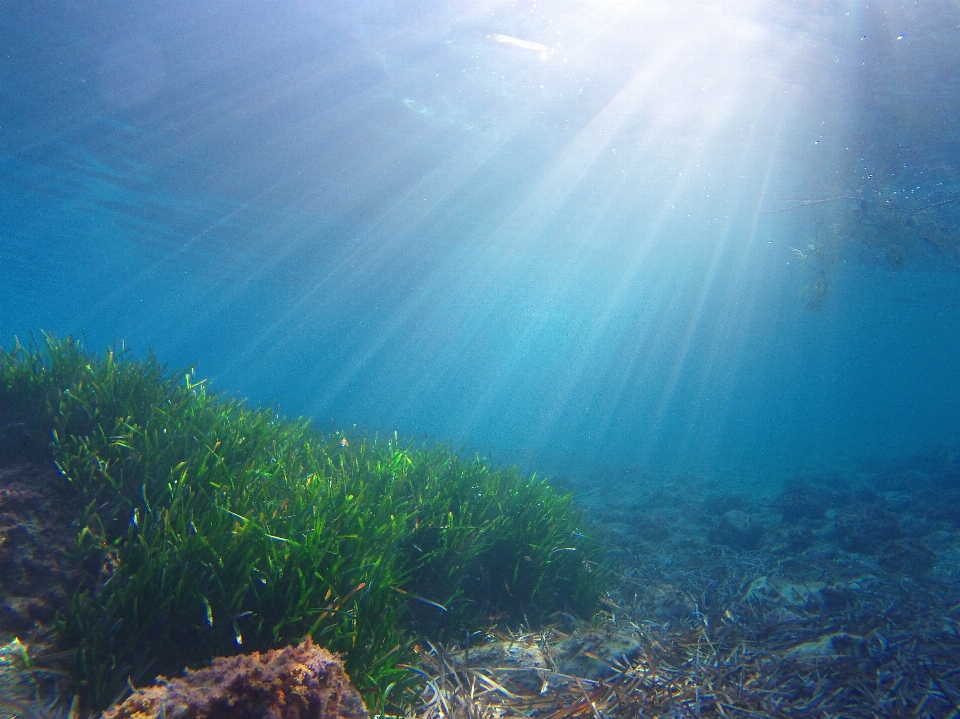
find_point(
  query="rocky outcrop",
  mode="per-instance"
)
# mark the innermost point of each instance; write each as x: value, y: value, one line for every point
x: 302, y: 682
x: 39, y: 566
x: 739, y: 530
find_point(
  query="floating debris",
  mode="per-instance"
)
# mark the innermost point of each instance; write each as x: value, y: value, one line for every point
x: 523, y: 44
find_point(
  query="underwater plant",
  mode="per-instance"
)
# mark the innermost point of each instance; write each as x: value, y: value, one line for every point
x: 222, y: 528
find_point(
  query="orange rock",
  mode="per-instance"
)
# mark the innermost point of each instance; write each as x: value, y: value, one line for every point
x: 302, y: 682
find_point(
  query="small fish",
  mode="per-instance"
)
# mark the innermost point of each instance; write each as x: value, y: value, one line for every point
x: 344, y: 442
x: 206, y: 605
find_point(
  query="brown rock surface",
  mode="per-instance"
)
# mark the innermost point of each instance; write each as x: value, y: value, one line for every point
x: 302, y: 682
x: 39, y: 568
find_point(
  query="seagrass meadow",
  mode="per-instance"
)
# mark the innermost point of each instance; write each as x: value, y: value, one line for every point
x: 216, y: 528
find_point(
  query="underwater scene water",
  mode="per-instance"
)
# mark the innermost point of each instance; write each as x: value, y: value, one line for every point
x: 380, y: 214
x: 698, y: 260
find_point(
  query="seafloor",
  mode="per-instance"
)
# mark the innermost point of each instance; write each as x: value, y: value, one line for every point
x: 825, y: 595
x: 830, y: 596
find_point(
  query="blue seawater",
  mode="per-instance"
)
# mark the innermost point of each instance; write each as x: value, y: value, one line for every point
x: 715, y: 237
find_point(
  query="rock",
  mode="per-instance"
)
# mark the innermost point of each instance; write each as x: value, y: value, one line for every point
x: 303, y: 682
x: 739, y: 530
x: 801, y: 500
x: 866, y: 530
x: 777, y: 589
x: 719, y: 504
x: 15, y: 441
x: 796, y: 539
x: 652, y: 528
x: 908, y: 556
x: 39, y: 565
x: 830, y: 646
x: 807, y: 594
x: 669, y: 604
x: 595, y: 652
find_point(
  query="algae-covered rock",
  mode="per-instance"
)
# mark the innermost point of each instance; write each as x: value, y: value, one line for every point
x: 303, y: 682
x: 867, y: 529
x: 39, y: 570
x: 909, y: 556
x: 739, y: 530
x: 830, y: 646
x: 802, y: 500
x: 784, y: 591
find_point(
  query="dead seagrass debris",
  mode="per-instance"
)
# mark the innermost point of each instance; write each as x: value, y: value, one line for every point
x: 302, y: 682
x: 801, y: 625
x: 537, y: 661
